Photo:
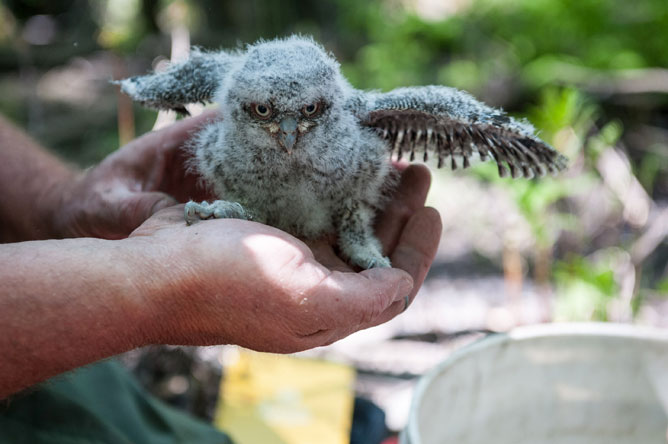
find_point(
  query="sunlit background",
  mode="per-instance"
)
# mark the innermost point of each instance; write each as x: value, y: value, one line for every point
x: 591, y: 75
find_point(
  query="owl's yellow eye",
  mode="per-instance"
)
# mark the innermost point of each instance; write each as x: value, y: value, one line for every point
x: 261, y: 110
x: 311, y: 109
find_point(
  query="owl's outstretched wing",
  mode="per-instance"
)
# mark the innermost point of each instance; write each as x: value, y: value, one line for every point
x: 446, y: 122
x: 193, y: 81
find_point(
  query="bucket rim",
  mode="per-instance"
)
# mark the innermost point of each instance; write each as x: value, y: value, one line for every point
x: 582, y: 329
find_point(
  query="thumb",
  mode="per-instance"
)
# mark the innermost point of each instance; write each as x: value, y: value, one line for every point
x: 141, y: 206
x: 367, y: 298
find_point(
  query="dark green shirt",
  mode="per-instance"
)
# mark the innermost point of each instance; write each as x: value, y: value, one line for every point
x: 98, y: 404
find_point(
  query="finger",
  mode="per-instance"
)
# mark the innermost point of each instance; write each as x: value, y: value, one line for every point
x: 343, y: 303
x: 145, y: 148
x: 140, y: 206
x: 408, y: 198
x: 152, y: 151
x: 348, y: 302
x: 414, y: 253
x: 182, y: 182
x: 417, y: 245
x: 381, y: 294
x: 167, y: 217
x: 401, y: 165
x: 323, y: 251
x: 158, y: 161
x: 169, y: 214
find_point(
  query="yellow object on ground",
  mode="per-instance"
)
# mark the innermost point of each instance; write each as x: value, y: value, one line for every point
x: 279, y: 399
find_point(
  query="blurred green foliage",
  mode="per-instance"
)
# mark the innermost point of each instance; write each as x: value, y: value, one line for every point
x: 584, y: 289
x: 662, y: 286
x: 532, y: 42
x: 559, y: 112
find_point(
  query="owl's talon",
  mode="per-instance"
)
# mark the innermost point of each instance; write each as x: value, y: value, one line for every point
x: 383, y: 262
x: 370, y: 259
x: 219, y: 209
x: 190, y: 213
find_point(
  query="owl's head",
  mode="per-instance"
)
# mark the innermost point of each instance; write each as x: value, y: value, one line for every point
x: 283, y: 92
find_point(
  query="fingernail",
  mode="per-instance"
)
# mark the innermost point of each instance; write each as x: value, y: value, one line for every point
x: 390, y: 278
x: 404, y: 288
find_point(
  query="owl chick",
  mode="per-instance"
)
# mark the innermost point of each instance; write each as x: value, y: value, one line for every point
x: 302, y: 150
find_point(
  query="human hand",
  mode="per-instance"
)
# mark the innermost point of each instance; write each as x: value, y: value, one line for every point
x: 113, y: 198
x: 240, y: 282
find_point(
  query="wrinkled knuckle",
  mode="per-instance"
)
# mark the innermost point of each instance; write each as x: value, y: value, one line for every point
x: 296, y: 320
x: 403, y: 212
x: 305, y: 326
x: 293, y: 345
x: 127, y: 207
x: 318, y: 338
x: 310, y: 325
x: 372, y: 311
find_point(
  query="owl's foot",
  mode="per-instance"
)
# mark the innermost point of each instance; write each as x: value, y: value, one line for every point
x: 218, y: 209
x: 371, y: 258
x: 356, y: 238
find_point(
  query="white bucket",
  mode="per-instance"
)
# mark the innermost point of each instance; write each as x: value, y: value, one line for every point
x: 553, y: 383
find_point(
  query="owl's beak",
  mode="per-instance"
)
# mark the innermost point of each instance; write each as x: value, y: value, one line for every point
x: 287, y: 135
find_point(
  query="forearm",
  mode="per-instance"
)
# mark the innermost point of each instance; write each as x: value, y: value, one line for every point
x: 67, y: 303
x: 30, y: 179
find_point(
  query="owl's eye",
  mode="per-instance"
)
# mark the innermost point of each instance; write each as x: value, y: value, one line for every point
x: 261, y: 110
x: 311, y: 109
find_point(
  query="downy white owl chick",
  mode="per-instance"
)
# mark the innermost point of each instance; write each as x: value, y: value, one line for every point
x: 300, y: 149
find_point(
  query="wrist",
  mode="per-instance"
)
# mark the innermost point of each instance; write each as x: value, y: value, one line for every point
x: 50, y: 206
x: 160, y: 284
x: 68, y: 303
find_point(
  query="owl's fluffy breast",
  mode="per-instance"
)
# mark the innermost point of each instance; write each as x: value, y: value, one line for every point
x: 303, y: 192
